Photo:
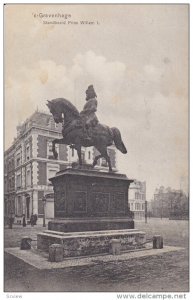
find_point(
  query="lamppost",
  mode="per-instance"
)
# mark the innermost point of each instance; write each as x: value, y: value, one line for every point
x: 11, y: 220
x: 44, y: 211
x: 145, y: 211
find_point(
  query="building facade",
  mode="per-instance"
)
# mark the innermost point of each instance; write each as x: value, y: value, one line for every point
x: 160, y: 204
x: 137, y: 198
x: 29, y: 163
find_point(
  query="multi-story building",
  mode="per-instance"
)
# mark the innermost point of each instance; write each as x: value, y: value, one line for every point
x: 137, y: 198
x: 29, y: 163
x: 160, y: 203
x: 9, y: 182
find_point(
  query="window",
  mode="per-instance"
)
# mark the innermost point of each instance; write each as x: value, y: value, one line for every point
x: 28, y: 178
x: 18, y: 180
x: 52, y: 169
x: 18, y: 159
x: 19, y: 206
x: 72, y: 152
x: 27, y: 152
x: 137, y: 206
x: 49, y: 150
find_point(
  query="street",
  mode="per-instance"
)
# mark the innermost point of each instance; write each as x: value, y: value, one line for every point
x: 161, y: 273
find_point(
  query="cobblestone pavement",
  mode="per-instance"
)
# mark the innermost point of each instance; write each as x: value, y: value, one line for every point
x: 163, y: 273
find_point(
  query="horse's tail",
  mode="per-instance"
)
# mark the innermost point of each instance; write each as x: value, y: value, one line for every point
x: 118, y: 140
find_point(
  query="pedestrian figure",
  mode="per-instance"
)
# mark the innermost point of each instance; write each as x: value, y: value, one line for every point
x: 24, y: 221
x: 32, y: 220
x: 35, y: 219
x: 11, y: 220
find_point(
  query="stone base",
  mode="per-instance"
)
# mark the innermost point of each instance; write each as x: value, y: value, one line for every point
x: 90, y: 243
x: 39, y: 259
x: 90, y: 224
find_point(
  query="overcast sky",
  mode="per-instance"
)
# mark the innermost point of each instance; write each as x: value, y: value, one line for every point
x: 136, y: 56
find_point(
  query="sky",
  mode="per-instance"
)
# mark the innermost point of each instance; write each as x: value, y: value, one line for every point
x: 136, y: 56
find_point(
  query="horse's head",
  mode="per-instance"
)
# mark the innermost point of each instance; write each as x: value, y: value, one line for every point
x: 55, y: 110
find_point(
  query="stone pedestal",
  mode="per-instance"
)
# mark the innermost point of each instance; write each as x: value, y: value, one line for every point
x: 88, y: 200
x: 91, y: 214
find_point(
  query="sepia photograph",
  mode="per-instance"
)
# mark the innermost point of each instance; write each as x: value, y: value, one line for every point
x: 96, y: 149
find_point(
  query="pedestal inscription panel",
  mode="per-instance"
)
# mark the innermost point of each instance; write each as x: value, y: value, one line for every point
x: 60, y: 203
x: 80, y: 202
x: 100, y: 202
x: 118, y: 202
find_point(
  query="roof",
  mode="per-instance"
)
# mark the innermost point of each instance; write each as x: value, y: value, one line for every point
x: 38, y: 118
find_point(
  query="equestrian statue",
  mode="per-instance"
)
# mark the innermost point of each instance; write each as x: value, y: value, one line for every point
x: 84, y: 129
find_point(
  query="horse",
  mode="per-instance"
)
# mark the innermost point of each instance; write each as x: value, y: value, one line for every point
x: 73, y: 133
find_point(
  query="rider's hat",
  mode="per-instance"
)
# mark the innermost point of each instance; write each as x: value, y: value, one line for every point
x: 91, y: 92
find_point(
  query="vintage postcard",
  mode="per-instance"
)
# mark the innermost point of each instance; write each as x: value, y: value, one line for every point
x: 96, y: 149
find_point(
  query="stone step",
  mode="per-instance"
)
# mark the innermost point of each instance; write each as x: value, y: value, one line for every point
x: 90, y: 243
x: 95, y: 233
x: 91, y: 224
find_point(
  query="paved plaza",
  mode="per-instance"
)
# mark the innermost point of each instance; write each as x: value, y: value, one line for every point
x: 164, y: 272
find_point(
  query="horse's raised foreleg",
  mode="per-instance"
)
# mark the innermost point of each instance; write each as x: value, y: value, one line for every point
x: 54, y: 142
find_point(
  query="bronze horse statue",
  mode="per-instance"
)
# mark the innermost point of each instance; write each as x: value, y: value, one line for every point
x: 65, y: 112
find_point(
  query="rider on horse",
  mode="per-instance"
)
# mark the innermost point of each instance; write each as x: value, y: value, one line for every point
x: 88, y: 115
x: 79, y: 128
